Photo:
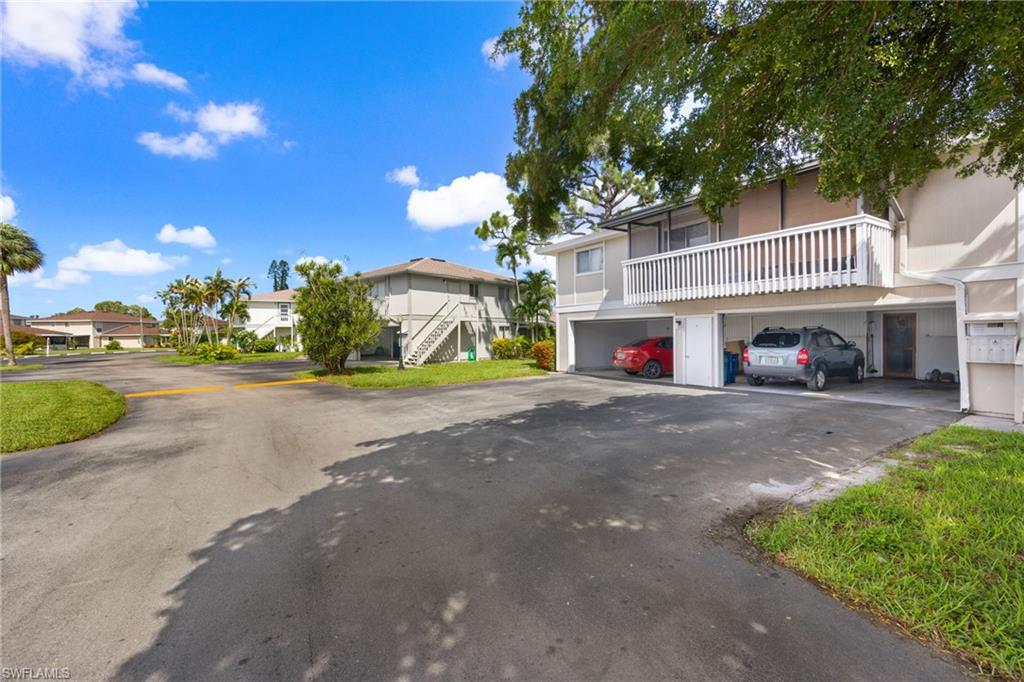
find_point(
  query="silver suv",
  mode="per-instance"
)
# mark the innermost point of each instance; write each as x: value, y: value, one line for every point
x: 809, y: 354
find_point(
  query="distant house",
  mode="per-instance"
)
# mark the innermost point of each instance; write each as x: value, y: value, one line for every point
x: 18, y: 320
x: 444, y: 310
x: 94, y: 329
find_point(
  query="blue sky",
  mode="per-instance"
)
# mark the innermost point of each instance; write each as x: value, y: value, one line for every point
x: 282, y: 129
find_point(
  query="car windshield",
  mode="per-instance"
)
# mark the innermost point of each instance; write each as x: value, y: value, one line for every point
x: 637, y: 343
x: 776, y: 340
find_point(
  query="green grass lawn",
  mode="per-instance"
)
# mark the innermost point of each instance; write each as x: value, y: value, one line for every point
x: 237, y: 360
x: 388, y: 376
x: 936, y: 545
x: 18, y: 368
x: 35, y: 414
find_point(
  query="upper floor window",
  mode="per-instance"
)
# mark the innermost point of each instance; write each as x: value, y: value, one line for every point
x: 590, y: 260
x: 504, y: 294
x: 474, y: 290
x: 283, y: 308
x: 686, y: 236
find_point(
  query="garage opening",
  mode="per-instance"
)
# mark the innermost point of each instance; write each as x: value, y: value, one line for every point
x: 907, y: 357
x: 594, y: 342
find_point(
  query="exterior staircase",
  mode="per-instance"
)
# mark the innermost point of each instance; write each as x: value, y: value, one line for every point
x: 443, y: 324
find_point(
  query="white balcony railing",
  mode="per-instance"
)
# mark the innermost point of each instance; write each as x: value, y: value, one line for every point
x: 855, y: 251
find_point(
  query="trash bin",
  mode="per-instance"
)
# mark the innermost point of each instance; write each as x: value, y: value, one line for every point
x: 471, y: 354
x: 731, y: 365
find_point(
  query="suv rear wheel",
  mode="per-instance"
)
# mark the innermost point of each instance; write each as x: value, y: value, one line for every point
x: 819, y: 378
x: 755, y: 381
x: 857, y: 373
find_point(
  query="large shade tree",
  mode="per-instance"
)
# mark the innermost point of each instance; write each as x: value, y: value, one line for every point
x: 723, y: 95
x: 19, y: 252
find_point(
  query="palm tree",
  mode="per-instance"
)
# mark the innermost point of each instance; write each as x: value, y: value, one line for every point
x: 537, y: 298
x: 236, y: 306
x: 18, y: 253
x: 215, y: 289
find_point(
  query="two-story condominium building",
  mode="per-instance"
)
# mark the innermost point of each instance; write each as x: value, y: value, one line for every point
x: 437, y: 310
x: 935, y: 282
x: 94, y: 329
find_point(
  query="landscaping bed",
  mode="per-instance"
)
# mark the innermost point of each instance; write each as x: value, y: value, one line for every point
x: 36, y: 414
x: 936, y: 545
x: 388, y: 376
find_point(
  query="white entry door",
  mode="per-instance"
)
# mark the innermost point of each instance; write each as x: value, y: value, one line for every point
x: 697, y: 344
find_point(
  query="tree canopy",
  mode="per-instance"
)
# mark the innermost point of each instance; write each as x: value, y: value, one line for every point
x: 278, y: 274
x: 716, y: 96
x: 134, y: 310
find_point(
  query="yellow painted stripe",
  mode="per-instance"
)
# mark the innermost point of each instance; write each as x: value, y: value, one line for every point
x: 276, y: 383
x: 174, y: 391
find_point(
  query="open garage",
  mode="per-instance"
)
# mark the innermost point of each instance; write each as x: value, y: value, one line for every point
x: 910, y: 355
x: 595, y: 340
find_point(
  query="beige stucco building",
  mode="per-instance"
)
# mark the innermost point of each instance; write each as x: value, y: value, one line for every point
x: 94, y: 329
x: 440, y: 310
x: 934, y: 282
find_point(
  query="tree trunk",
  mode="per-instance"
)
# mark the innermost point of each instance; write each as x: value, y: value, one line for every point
x: 515, y: 322
x: 5, y: 319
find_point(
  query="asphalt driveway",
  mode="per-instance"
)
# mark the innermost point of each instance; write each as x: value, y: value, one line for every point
x: 562, y: 527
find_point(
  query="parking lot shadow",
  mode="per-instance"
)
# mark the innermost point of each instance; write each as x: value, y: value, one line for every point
x: 550, y: 542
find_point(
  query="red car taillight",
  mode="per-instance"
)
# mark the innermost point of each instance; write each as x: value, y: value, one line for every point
x: 746, y: 355
x: 803, y: 357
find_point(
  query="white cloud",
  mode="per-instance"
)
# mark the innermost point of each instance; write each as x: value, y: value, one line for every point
x: 145, y: 72
x: 192, y: 145
x: 231, y: 120
x: 85, y: 37
x: 498, y: 62
x: 7, y: 208
x: 468, y: 199
x: 145, y: 298
x: 178, y: 113
x: 406, y: 175
x: 38, y: 279
x: 198, y: 237
x: 226, y: 261
x: 117, y: 258
x: 321, y: 260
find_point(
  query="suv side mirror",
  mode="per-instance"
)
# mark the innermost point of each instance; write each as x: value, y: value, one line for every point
x: 851, y: 344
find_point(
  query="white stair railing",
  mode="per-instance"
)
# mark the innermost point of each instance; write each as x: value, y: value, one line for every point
x: 425, y: 342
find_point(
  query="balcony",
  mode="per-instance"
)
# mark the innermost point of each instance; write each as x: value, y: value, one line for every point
x: 855, y: 251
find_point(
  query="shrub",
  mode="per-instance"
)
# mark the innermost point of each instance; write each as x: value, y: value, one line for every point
x: 20, y: 338
x: 525, y: 346
x: 544, y: 354
x: 267, y: 345
x: 246, y: 341
x: 113, y: 344
x: 505, y: 349
x: 211, y: 352
x: 25, y: 348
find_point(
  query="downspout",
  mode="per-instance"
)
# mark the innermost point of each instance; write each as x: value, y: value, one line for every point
x: 960, y: 294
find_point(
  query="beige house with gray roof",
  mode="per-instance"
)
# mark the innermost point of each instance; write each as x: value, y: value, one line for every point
x: 436, y: 310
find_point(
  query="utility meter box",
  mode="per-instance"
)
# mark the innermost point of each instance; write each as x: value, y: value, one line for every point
x: 992, y: 342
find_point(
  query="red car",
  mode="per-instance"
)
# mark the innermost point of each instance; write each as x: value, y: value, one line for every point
x: 651, y: 357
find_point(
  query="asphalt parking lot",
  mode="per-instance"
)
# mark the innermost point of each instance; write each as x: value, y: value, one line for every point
x: 561, y: 527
